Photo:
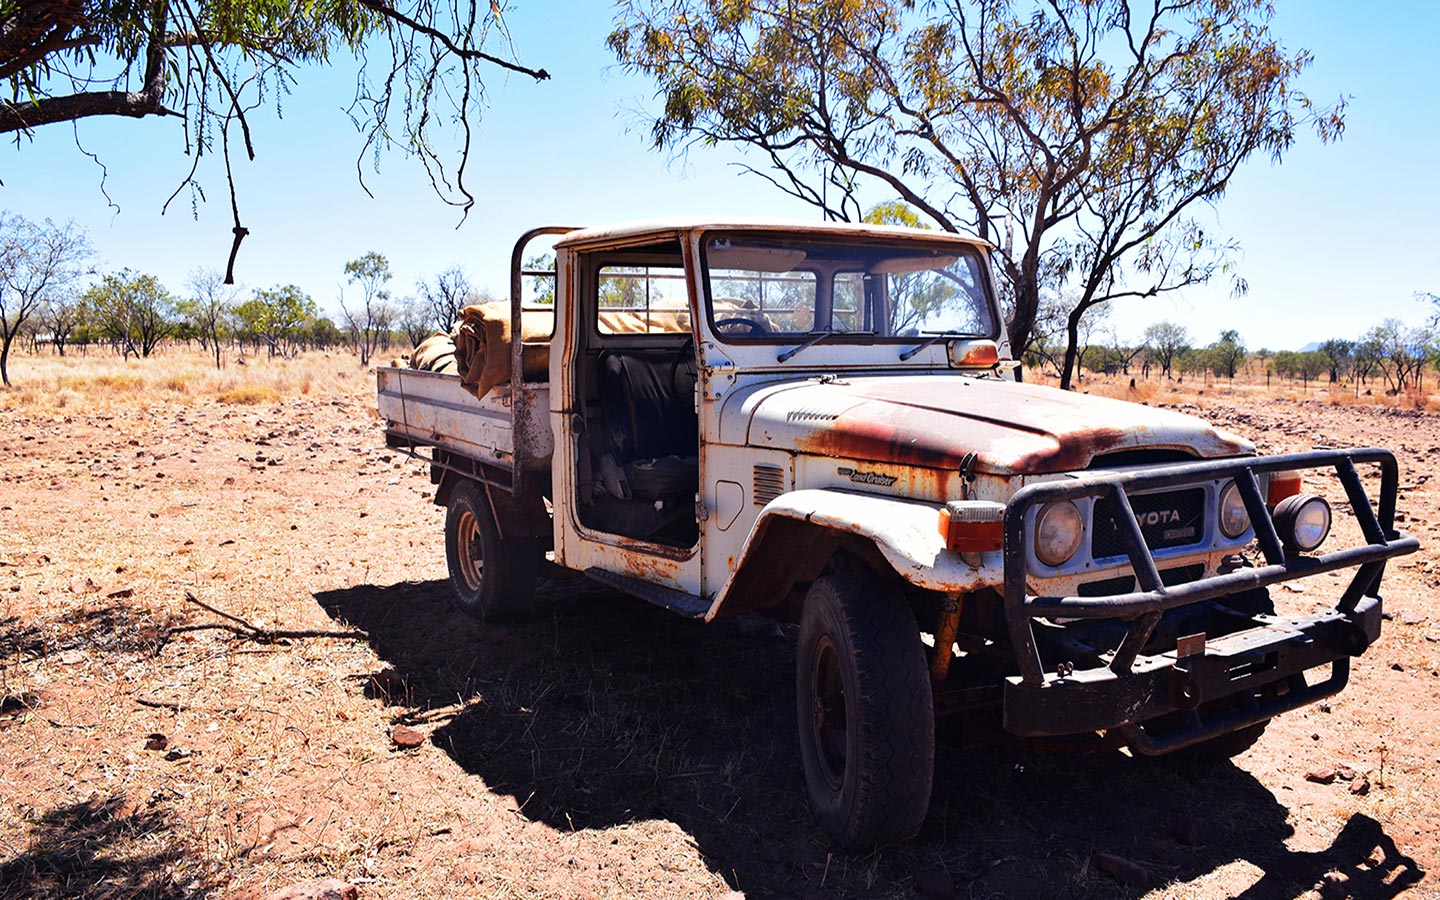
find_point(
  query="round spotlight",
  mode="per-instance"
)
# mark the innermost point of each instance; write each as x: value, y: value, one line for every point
x: 1303, y: 521
x: 1058, y: 530
x: 1233, y: 517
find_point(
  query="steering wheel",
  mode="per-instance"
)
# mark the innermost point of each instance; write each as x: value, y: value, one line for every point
x: 751, y: 325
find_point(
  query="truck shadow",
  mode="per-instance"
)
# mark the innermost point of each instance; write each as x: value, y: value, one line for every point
x: 603, y: 711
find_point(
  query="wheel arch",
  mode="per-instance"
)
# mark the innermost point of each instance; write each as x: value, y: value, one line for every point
x: 515, y: 516
x: 798, y: 533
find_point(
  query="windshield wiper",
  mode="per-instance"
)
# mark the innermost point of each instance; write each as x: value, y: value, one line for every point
x: 815, y: 338
x: 934, y: 338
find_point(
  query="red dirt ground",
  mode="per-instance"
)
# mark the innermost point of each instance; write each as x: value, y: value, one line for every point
x: 605, y: 749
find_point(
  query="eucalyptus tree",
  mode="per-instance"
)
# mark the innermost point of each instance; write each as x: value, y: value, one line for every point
x: 1165, y: 340
x: 1080, y: 137
x: 40, y: 263
x: 134, y: 311
x: 420, y: 85
x: 369, y: 322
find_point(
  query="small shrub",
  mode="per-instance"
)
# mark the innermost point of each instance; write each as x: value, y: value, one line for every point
x: 250, y: 395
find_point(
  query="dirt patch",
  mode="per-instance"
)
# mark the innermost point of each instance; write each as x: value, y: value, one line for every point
x: 605, y: 749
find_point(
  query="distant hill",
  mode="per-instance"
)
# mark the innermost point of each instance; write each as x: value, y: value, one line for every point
x: 1310, y: 347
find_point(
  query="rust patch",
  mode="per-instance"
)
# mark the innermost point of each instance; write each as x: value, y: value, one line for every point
x: 934, y: 422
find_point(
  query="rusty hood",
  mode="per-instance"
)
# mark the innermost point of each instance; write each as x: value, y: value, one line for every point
x: 934, y: 421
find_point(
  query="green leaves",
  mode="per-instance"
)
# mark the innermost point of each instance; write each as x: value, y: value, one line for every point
x: 1074, y: 135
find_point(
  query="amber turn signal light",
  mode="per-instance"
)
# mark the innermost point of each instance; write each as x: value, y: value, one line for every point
x: 1282, y: 485
x: 973, y: 526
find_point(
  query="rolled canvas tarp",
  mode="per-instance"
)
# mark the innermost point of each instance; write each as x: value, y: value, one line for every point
x: 478, y: 349
x: 434, y: 354
x: 482, y: 345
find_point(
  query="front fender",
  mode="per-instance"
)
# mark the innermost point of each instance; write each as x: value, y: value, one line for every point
x: 796, y: 528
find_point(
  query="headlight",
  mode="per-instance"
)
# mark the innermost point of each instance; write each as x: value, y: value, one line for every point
x: 1233, y: 517
x: 1303, y: 521
x: 1058, y: 529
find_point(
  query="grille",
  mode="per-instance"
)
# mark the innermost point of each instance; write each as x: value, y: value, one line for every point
x: 1126, y: 583
x: 769, y: 484
x: 1169, y: 519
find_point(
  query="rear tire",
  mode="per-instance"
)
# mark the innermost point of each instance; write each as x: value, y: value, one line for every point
x: 866, y: 712
x: 494, y: 578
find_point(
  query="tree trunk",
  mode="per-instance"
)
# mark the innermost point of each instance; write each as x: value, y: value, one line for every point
x: 1072, y: 347
x: 5, y: 359
x: 1022, y: 320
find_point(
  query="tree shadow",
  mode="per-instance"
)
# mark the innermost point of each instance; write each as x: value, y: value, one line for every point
x: 104, y: 848
x: 603, y: 710
x: 111, y: 628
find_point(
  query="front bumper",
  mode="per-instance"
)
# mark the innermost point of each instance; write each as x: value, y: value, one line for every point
x: 1263, y: 665
x: 1262, y: 668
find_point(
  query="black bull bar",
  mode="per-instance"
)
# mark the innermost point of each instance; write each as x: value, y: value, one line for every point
x: 1134, y: 688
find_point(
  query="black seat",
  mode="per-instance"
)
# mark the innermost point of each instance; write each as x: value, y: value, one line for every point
x: 645, y: 414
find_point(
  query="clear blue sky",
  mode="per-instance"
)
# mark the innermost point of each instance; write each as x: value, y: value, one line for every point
x: 1333, y: 240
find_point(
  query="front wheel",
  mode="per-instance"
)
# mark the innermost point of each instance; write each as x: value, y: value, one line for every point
x: 866, y: 713
x: 494, y: 578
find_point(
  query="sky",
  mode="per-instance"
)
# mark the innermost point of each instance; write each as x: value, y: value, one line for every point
x: 1333, y: 240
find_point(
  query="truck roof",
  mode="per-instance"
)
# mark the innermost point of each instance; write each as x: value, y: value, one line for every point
x: 659, y: 227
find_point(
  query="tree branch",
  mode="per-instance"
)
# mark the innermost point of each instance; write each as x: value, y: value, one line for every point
x: 390, y: 12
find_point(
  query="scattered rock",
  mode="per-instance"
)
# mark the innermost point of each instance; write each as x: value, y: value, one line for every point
x: 1345, y: 773
x: 156, y: 741
x: 120, y: 593
x: 1360, y: 786
x: 1321, y: 776
x: 1122, y: 870
x: 1324, y: 707
x: 1411, y: 618
x: 328, y: 889
x: 1398, y: 667
x: 406, y: 738
x: 935, y: 884
x: 72, y: 657
x: 1333, y: 884
x: 178, y: 754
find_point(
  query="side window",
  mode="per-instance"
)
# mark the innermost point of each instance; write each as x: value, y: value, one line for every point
x: 642, y: 300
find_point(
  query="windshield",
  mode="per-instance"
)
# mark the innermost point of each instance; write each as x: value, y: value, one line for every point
x: 775, y: 288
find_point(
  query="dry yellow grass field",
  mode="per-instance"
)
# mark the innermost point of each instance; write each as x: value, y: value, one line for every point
x: 100, y: 379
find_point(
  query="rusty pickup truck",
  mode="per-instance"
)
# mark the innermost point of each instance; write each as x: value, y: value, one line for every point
x: 824, y: 424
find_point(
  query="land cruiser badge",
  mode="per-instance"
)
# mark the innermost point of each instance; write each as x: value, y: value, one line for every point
x: 875, y: 478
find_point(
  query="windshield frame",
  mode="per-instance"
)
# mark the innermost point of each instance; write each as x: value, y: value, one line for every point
x: 860, y: 335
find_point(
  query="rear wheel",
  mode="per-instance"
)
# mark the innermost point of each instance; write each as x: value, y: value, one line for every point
x: 865, y: 709
x: 494, y: 578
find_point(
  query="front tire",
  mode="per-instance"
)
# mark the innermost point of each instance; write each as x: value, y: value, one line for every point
x: 494, y: 578
x: 866, y: 712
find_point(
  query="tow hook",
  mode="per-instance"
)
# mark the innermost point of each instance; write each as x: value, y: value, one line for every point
x: 1352, y: 639
x: 1184, y: 692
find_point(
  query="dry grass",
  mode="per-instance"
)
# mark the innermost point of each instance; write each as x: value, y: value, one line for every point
x: 1158, y: 389
x: 102, y: 380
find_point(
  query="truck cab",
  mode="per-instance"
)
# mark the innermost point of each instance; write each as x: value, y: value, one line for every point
x: 823, y: 424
